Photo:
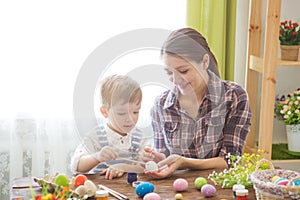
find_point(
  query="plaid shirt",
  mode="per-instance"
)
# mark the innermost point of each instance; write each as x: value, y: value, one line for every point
x: 220, y: 128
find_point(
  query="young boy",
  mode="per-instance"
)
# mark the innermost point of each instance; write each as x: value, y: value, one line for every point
x: 115, y: 147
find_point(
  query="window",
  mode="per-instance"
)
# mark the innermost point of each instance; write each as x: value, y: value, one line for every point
x: 45, y: 44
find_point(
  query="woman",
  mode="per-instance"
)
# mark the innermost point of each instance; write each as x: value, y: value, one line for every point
x: 203, y: 118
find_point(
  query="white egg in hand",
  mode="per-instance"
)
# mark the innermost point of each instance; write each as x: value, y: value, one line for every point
x: 151, y: 166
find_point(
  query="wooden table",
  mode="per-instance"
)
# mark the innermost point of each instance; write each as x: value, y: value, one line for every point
x: 163, y: 187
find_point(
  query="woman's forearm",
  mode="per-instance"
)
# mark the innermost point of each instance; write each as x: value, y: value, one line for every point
x: 208, y: 163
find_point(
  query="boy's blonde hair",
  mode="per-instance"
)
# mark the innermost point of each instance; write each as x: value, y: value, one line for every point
x: 119, y: 89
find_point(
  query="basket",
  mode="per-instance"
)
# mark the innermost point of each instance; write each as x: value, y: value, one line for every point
x: 266, y: 190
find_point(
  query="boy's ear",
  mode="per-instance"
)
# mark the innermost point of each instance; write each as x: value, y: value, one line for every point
x: 103, y: 111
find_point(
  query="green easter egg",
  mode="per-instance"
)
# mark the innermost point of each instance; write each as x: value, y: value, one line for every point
x: 62, y: 180
x: 199, y: 182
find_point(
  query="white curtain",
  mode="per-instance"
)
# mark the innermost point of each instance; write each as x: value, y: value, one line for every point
x: 34, y: 147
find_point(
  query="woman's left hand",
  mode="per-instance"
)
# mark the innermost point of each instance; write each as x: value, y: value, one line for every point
x: 166, y: 167
x: 150, y: 154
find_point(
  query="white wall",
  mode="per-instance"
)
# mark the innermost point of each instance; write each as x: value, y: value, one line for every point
x: 242, y: 16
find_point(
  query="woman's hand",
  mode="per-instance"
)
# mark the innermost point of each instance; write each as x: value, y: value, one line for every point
x: 166, y: 167
x: 150, y: 154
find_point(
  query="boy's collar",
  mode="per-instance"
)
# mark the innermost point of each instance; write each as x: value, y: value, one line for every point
x: 116, y: 131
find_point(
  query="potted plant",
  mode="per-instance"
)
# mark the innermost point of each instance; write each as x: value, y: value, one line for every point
x: 287, y: 109
x: 289, y: 37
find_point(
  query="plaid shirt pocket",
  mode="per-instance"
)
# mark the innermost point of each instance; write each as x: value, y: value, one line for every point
x: 172, y: 134
x: 209, y: 138
x: 215, y: 127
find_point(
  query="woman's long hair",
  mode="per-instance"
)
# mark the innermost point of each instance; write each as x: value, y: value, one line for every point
x: 190, y: 45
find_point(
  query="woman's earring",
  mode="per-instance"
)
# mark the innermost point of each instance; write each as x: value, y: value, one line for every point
x: 205, y: 67
x: 205, y: 61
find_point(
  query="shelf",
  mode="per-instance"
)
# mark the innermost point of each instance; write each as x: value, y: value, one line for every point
x: 289, y: 63
x: 256, y: 63
x: 267, y: 67
x: 287, y: 161
x: 293, y: 165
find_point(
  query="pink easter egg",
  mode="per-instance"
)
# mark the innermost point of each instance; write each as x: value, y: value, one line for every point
x: 208, y: 190
x: 151, y: 196
x: 180, y: 184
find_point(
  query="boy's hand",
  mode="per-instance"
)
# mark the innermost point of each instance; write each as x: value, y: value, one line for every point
x: 150, y: 154
x: 107, y: 153
x: 111, y: 173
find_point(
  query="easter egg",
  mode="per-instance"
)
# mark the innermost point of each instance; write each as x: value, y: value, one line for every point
x: 199, y: 182
x: 79, y: 180
x: 90, y: 187
x: 275, y: 178
x: 296, y: 182
x: 144, y: 188
x: 178, y: 196
x: 151, y: 166
x: 62, y: 180
x: 281, y: 181
x: 208, y: 190
x: 151, y: 196
x: 180, y: 184
x: 80, y: 190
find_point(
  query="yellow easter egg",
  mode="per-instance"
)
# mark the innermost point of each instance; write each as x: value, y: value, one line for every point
x: 275, y: 178
x: 178, y: 196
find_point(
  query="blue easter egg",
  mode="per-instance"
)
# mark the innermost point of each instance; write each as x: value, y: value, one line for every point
x: 144, y: 188
x: 296, y: 182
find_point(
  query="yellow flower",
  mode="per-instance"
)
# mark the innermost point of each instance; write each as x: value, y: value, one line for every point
x: 264, y: 166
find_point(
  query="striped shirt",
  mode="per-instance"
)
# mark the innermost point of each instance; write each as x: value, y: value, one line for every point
x: 130, y: 146
x: 221, y: 126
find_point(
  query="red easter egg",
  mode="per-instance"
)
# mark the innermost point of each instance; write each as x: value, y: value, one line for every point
x: 281, y: 181
x: 79, y: 180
